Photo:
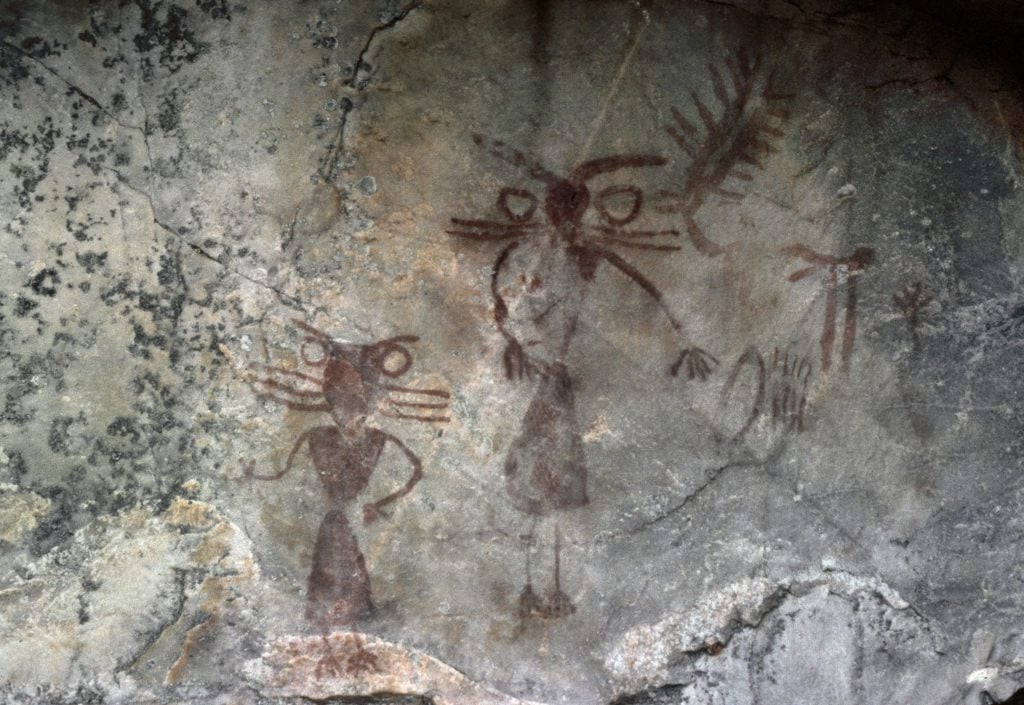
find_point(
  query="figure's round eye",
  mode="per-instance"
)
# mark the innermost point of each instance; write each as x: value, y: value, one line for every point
x: 619, y: 204
x: 313, y: 352
x: 395, y: 360
x: 517, y: 204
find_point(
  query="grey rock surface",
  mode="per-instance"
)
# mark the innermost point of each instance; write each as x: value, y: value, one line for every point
x: 557, y: 352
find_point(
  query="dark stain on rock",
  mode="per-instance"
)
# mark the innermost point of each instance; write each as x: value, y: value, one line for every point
x: 24, y: 306
x: 376, y: 699
x: 16, y: 466
x: 169, y: 117
x: 56, y: 527
x: 169, y: 34
x: 91, y: 261
x: 215, y: 9
x: 39, y: 48
x: 668, y: 694
x: 45, y: 283
x: 13, y: 64
x: 59, y: 436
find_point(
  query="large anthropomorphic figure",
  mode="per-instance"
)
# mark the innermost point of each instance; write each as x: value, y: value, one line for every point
x: 538, y: 283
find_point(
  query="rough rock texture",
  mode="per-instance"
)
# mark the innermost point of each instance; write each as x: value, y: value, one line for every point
x: 513, y: 352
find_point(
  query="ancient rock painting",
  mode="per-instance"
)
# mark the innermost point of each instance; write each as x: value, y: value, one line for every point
x: 538, y: 284
x: 351, y: 386
x: 774, y: 390
x: 851, y: 267
x: 729, y: 143
x: 553, y: 244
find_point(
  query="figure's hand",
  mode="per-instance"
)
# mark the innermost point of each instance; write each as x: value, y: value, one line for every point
x: 517, y: 364
x: 371, y: 513
x: 695, y: 362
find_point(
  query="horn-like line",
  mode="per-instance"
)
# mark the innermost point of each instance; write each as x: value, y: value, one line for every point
x: 315, y: 333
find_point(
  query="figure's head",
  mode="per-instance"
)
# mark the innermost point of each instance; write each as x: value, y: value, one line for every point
x: 566, y: 199
x: 353, y: 375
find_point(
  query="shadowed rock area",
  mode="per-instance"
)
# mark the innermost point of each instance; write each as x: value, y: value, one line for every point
x: 633, y: 353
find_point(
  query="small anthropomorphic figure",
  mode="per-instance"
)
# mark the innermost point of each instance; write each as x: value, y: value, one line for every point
x: 851, y: 267
x: 350, y: 387
x: 539, y: 283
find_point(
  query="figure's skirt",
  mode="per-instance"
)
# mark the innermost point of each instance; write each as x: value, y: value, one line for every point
x: 545, y: 469
x: 339, y: 586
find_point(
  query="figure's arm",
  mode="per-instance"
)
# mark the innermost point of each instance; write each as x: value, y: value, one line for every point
x: 697, y: 362
x: 516, y: 363
x: 288, y: 464
x: 371, y: 511
x: 500, y: 307
x: 644, y: 283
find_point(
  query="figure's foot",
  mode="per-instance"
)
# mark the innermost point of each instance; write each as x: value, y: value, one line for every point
x: 530, y: 604
x: 328, y: 666
x: 696, y: 363
x: 557, y: 604
x: 361, y: 661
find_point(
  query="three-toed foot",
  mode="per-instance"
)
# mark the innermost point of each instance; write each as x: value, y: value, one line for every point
x: 328, y: 666
x: 530, y: 604
x: 361, y: 661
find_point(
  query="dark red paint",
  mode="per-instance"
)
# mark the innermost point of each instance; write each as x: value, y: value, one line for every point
x: 351, y: 386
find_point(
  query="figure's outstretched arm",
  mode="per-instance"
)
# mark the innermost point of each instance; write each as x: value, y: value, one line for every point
x: 371, y: 511
x: 288, y: 464
x: 296, y: 405
x: 638, y: 278
x: 696, y: 361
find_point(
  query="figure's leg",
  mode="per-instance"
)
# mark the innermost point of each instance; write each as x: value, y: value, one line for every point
x: 557, y: 603
x: 828, y: 331
x: 849, y: 320
x: 529, y: 602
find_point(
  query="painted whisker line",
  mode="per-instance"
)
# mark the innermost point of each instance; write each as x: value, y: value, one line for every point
x: 292, y: 373
x: 620, y: 233
x: 414, y: 417
x: 429, y: 392
x: 636, y: 245
x: 492, y: 224
x: 477, y: 235
x: 273, y: 384
x: 416, y: 404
